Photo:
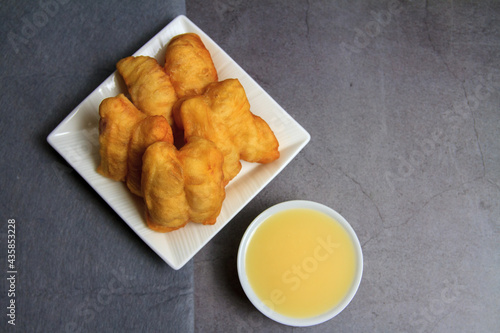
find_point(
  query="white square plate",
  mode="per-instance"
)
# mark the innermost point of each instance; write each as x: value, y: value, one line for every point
x: 77, y: 140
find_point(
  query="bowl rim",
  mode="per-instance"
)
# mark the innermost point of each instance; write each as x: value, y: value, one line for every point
x: 266, y: 308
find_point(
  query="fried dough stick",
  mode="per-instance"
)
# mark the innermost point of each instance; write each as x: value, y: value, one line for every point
x: 194, y: 116
x: 182, y: 186
x: 149, y: 86
x: 189, y: 65
x: 254, y: 138
x: 147, y: 132
x: 222, y: 114
x: 203, y: 179
x: 162, y: 183
x: 118, y: 118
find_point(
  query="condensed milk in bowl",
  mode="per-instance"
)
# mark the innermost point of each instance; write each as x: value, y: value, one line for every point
x: 300, y: 263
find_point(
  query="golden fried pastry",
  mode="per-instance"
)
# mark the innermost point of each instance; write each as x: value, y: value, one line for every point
x: 189, y: 65
x: 203, y: 179
x: 147, y: 132
x: 195, y: 117
x: 182, y: 186
x: 222, y: 115
x: 149, y: 86
x: 118, y: 119
x: 231, y: 110
x: 162, y: 184
x: 182, y: 102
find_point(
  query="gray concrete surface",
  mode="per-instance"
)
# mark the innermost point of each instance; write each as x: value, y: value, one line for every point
x: 401, y: 99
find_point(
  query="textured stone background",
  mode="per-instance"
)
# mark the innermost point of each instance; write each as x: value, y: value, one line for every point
x: 80, y: 268
x: 401, y: 99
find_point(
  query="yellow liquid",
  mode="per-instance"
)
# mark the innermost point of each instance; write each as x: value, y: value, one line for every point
x: 300, y: 262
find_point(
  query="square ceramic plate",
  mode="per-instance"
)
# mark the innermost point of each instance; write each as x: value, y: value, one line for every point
x: 76, y: 139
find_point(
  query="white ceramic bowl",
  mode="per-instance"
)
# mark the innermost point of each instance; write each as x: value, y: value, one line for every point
x: 262, y: 306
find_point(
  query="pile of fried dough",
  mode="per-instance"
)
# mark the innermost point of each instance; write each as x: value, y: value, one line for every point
x: 184, y: 180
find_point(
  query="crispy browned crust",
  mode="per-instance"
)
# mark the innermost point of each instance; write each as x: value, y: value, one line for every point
x: 118, y: 118
x: 189, y: 65
x: 149, y: 86
x: 222, y: 115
